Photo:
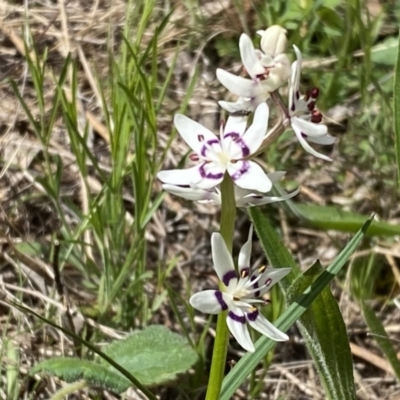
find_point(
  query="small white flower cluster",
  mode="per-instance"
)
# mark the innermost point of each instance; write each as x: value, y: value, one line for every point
x: 233, y: 149
x: 232, y: 153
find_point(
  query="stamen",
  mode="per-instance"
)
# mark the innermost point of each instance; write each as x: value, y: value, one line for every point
x: 316, y: 116
x: 262, y: 269
x: 200, y: 137
x: 314, y: 93
x: 244, y: 273
x: 194, y: 157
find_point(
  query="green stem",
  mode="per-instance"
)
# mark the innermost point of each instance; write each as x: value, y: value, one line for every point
x: 227, y: 227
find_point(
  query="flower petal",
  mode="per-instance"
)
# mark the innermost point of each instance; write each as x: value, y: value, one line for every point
x: 210, y: 301
x: 269, y: 277
x: 240, y: 105
x: 236, y: 84
x: 236, y: 322
x: 211, y: 174
x: 182, y: 177
x: 222, y: 260
x: 324, y: 140
x: 256, y: 133
x: 253, y: 199
x: 245, y: 253
x: 308, y: 127
x: 193, y: 133
x: 306, y: 146
x: 236, y: 125
x: 262, y: 325
x: 249, y: 175
x: 249, y: 57
x: 193, y: 193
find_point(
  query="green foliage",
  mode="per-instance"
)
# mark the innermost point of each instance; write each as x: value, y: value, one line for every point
x: 153, y: 355
x: 294, y: 311
x: 378, y: 331
x: 333, y: 217
x: 323, y: 328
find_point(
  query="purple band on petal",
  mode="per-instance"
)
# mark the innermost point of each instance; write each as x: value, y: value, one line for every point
x: 220, y: 300
x: 207, y: 145
x: 209, y: 175
x: 252, y: 316
x: 241, y: 171
x: 239, y: 141
x: 237, y: 318
x: 228, y: 276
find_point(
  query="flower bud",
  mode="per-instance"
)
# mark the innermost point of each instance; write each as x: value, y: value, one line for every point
x: 273, y: 40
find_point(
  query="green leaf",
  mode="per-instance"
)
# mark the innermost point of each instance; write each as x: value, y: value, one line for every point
x: 385, y: 52
x: 154, y: 355
x: 323, y: 328
x: 381, y: 337
x: 250, y: 360
x: 333, y: 217
x: 396, y: 115
x: 73, y: 369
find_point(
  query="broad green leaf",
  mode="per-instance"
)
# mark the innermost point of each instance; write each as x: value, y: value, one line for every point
x: 294, y: 311
x: 332, y: 217
x: 73, y: 369
x: 323, y: 328
x: 381, y: 337
x: 396, y: 115
x: 154, y: 355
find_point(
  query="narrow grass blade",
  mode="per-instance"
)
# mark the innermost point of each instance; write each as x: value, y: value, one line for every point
x: 381, y: 337
x: 396, y: 115
x: 250, y: 360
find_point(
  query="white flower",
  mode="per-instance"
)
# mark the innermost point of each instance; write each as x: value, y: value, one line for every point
x: 243, y: 198
x: 243, y: 290
x: 228, y: 153
x: 268, y: 69
x: 304, y: 117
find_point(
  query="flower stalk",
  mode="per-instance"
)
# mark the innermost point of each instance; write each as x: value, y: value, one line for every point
x: 220, y: 350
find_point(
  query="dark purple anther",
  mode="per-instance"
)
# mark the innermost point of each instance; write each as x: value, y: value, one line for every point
x: 194, y: 157
x: 311, y: 105
x: 314, y: 93
x: 316, y: 117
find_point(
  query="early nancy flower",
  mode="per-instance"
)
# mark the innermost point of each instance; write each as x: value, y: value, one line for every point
x: 230, y: 152
x: 242, y: 292
x: 243, y: 198
x: 268, y: 69
x: 304, y: 117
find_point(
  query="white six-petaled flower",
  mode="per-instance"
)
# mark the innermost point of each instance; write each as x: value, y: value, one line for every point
x: 243, y: 291
x: 268, y: 69
x: 243, y: 197
x: 230, y: 152
x: 304, y: 117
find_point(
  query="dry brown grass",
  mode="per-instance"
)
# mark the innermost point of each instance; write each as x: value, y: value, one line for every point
x: 88, y: 30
